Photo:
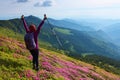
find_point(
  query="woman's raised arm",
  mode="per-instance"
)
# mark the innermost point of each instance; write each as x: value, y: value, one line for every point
x: 25, y: 24
x: 40, y: 25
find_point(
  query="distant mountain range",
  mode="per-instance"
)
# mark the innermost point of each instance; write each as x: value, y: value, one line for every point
x: 109, y: 26
x: 70, y: 24
x: 114, y: 32
x: 77, y: 39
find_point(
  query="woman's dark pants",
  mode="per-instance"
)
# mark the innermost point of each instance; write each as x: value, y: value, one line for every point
x: 35, y: 54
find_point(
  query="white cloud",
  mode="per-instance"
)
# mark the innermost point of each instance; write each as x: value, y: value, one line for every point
x: 64, y: 8
x: 45, y: 3
x: 22, y: 1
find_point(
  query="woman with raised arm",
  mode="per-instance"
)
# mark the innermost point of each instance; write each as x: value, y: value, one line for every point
x: 31, y: 40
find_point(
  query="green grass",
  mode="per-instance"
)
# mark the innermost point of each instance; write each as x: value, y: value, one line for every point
x: 12, y: 67
x: 16, y: 64
x: 10, y: 33
x: 64, y: 31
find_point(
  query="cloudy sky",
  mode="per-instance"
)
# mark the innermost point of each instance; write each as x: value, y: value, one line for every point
x: 59, y: 9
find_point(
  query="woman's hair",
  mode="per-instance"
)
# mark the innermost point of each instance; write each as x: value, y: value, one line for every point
x: 32, y: 28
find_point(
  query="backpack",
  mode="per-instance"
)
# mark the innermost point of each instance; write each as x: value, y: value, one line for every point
x: 29, y: 41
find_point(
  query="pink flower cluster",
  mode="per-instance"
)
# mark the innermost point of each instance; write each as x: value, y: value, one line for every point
x: 30, y: 57
x: 54, y: 66
x: 69, y: 70
x: 47, y: 66
x: 31, y: 75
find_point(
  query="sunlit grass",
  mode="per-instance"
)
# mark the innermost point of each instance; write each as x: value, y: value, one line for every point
x: 16, y: 64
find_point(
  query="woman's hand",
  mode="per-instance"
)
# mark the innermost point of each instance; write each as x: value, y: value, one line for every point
x: 45, y: 17
x: 22, y: 17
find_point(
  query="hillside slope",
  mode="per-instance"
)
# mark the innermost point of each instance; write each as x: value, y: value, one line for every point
x: 74, y: 42
x: 114, y: 31
x: 16, y: 63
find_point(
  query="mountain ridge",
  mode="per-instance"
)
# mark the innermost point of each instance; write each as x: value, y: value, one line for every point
x: 74, y: 42
x: 70, y: 24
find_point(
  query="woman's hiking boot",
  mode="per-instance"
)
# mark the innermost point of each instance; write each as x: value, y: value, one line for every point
x: 37, y: 69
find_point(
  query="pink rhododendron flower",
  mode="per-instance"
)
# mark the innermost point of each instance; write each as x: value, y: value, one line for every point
x: 35, y: 78
x: 30, y: 57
